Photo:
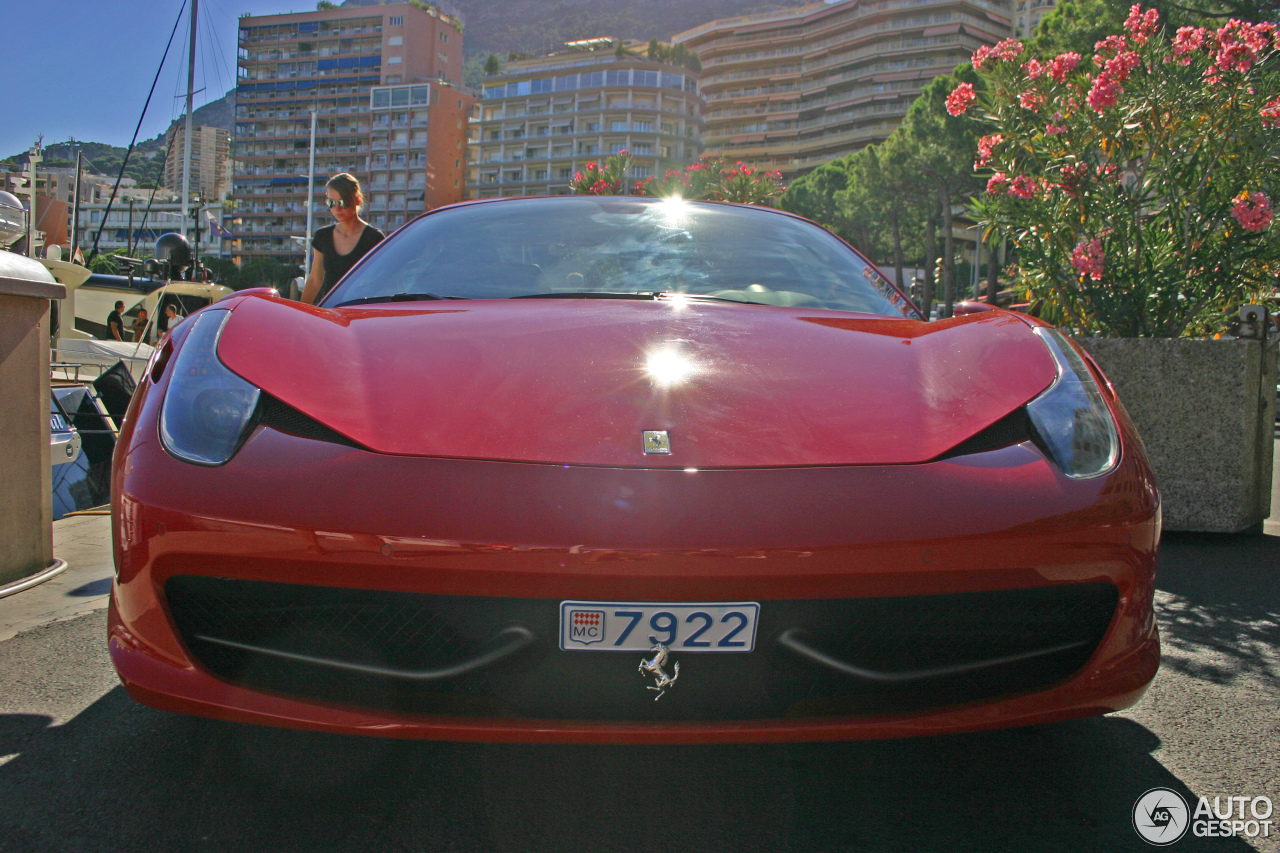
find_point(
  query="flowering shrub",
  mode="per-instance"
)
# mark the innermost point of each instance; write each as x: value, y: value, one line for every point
x: 1136, y: 184
x: 710, y: 178
x: 606, y: 180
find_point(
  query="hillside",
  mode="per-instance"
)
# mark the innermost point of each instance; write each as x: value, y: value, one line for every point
x: 538, y: 26
x: 146, y: 165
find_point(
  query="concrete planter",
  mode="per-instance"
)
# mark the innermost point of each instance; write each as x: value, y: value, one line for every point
x: 1205, y: 410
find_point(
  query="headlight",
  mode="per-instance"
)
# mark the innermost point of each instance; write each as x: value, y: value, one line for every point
x: 207, y: 408
x: 1072, y: 418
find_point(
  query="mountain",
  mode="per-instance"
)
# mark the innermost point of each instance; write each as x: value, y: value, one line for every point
x: 220, y: 113
x: 538, y: 26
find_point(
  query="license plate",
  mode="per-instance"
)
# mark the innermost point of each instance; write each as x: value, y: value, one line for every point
x: 631, y: 626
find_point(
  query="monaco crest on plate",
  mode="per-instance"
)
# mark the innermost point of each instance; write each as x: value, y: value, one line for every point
x: 586, y: 626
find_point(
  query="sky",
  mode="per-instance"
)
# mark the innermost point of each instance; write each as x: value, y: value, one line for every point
x: 84, y: 66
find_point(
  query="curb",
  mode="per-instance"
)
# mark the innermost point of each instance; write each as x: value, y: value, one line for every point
x: 56, y: 568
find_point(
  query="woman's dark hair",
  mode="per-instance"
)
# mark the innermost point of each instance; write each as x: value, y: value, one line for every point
x: 347, y: 187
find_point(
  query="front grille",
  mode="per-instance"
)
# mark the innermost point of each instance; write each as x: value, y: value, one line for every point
x: 225, y: 622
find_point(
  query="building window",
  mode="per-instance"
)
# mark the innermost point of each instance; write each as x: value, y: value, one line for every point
x: 396, y: 21
x: 444, y: 38
x: 395, y: 41
x: 395, y: 60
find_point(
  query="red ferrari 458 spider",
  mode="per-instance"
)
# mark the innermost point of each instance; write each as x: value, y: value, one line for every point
x: 628, y: 470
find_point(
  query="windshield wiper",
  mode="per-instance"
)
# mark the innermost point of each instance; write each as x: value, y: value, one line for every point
x: 395, y: 297
x: 631, y: 294
x: 707, y: 297
x: 590, y: 294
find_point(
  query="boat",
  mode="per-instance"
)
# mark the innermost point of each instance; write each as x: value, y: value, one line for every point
x: 92, y: 296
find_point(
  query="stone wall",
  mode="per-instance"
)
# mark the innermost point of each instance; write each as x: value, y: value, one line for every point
x: 1206, y: 411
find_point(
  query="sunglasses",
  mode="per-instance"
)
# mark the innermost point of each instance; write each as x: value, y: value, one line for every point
x: 331, y: 203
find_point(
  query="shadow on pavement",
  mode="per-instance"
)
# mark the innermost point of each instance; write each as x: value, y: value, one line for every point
x: 1218, y: 598
x: 123, y: 777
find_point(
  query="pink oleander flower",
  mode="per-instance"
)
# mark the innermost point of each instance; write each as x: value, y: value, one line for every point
x: 1252, y: 211
x: 1120, y: 66
x: 1271, y: 113
x: 1108, y: 48
x: 1141, y: 24
x: 1031, y: 100
x: 1007, y: 50
x: 980, y: 56
x: 1088, y: 259
x: 1023, y: 187
x: 987, y: 146
x: 592, y: 165
x: 1187, y: 41
x: 1062, y: 65
x: 1052, y: 129
x: 961, y: 99
x: 997, y: 182
x: 1239, y: 44
x: 1103, y: 93
x: 1033, y: 68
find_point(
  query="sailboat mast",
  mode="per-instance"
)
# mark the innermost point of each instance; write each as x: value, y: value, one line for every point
x: 186, y: 136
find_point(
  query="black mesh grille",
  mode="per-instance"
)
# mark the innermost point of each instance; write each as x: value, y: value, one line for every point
x: 1013, y: 428
x: 408, y: 630
x: 284, y: 418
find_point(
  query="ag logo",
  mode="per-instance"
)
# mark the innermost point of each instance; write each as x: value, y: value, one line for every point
x: 1160, y: 816
x: 586, y: 626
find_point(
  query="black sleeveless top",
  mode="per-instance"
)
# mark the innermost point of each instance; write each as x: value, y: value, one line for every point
x: 335, y: 265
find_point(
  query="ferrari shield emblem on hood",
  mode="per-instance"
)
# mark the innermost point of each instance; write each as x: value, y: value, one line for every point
x: 656, y: 441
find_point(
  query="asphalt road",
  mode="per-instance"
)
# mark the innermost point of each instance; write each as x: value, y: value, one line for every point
x: 82, y: 767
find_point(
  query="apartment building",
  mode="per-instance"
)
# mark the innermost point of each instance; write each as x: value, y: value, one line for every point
x: 210, y: 159
x: 384, y: 81
x: 792, y: 89
x: 543, y: 119
x: 1027, y: 15
x: 136, y: 221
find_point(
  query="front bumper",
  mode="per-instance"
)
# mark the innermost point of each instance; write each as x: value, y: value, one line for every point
x: 288, y: 510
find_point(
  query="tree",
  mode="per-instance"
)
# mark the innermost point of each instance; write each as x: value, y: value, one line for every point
x: 1076, y: 25
x: 325, y: 5
x: 814, y: 196
x: 224, y: 271
x: 492, y: 65
x: 944, y: 141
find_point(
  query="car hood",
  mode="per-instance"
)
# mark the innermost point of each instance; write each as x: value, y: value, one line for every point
x: 577, y: 381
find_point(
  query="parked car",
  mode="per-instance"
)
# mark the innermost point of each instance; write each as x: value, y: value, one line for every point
x: 628, y: 470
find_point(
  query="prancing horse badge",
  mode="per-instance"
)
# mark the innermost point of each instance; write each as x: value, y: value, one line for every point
x: 656, y: 441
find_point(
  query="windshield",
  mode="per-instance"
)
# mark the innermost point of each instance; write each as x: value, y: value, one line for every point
x: 584, y: 246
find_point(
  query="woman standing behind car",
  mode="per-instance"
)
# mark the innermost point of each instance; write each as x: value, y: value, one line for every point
x: 337, y: 247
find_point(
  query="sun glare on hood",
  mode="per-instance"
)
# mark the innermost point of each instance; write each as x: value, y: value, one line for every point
x: 668, y: 367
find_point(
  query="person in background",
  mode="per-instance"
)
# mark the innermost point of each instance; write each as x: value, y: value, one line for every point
x: 140, y: 325
x: 171, y: 319
x: 337, y: 247
x: 115, y: 323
